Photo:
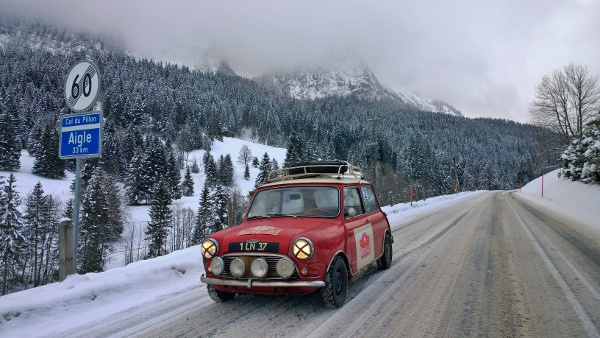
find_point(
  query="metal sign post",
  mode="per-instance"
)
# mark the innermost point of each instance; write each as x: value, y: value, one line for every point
x: 81, y: 133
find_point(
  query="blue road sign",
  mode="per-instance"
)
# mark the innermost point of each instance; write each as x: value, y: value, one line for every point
x: 81, y: 135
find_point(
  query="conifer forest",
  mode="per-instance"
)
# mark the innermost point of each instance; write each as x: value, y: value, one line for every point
x: 155, y: 113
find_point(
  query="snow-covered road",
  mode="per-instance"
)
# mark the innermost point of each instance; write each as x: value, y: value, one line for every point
x: 482, y: 263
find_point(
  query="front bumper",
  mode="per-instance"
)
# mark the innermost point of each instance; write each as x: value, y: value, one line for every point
x: 258, y: 283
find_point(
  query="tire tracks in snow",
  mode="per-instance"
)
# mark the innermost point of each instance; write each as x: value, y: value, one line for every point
x: 547, y: 251
x: 388, y: 286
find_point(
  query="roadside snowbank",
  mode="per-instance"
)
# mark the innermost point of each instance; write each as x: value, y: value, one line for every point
x: 81, y: 299
x: 578, y: 200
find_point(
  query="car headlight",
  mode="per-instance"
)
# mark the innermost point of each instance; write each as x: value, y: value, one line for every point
x: 285, y: 267
x: 259, y: 267
x: 210, y: 248
x: 303, y: 248
x: 237, y: 267
x: 217, y: 265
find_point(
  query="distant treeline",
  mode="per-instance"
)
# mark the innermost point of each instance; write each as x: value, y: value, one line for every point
x: 144, y: 101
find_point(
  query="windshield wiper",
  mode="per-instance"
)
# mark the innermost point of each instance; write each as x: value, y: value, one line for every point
x: 278, y: 214
x: 256, y: 217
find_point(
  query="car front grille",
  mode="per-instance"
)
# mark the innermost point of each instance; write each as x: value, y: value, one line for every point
x: 271, y: 263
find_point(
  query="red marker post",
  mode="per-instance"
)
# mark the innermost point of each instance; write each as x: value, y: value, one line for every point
x: 542, y: 185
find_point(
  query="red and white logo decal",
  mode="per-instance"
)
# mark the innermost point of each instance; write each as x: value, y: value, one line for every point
x: 260, y: 230
x: 365, y: 248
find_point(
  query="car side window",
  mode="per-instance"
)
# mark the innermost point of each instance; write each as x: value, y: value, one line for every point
x: 352, y: 201
x: 369, y: 198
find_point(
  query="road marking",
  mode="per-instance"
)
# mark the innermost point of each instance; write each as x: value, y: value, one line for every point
x: 588, y: 324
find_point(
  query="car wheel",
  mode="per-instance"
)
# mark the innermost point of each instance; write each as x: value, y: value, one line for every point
x: 385, y: 261
x: 336, y: 284
x: 219, y: 296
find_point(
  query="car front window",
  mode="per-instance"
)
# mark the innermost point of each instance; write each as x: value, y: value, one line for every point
x: 305, y: 201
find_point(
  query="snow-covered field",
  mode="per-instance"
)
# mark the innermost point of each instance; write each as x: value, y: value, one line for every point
x: 85, y: 298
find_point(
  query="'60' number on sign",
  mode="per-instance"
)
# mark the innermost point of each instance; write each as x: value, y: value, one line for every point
x: 87, y: 83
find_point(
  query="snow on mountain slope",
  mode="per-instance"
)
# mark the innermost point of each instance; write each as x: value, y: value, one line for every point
x: 3, y: 42
x: 427, y: 104
x: 321, y: 82
x: 343, y: 77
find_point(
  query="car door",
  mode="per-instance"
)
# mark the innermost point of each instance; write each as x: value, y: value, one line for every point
x: 359, y: 231
x: 375, y: 216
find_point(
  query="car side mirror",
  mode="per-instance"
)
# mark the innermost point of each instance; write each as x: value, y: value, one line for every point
x: 351, y: 212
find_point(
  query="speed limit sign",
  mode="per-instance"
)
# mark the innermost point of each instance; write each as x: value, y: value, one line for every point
x: 82, y: 86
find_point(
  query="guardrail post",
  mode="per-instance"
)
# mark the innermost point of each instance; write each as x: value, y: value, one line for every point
x: 66, y: 263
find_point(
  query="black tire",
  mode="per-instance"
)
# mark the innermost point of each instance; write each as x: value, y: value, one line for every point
x: 219, y: 296
x: 336, y: 284
x: 385, y: 261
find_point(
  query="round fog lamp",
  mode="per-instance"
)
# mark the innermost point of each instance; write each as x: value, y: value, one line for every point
x: 217, y: 265
x: 259, y: 268
x: 237, y: 268
x: 285, y: 267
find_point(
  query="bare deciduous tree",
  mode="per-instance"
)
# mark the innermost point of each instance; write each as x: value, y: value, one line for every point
x: 566, y: 100
x: 245, y: 155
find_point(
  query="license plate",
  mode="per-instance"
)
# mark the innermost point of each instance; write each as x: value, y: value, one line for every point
x: 254, y: 246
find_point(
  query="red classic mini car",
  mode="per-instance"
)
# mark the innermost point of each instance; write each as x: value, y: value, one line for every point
x: 312, y: 227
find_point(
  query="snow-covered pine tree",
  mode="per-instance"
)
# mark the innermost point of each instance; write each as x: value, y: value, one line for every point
x: 68, y: 210
x: 226, y: 171
x: 100, y: 222
x: 172, y: 172
x: 32, y: 229
x: 10, y: 149
x: 160, y: 219
x: 154, y: 166
x: 581, y: 158
x: 211, y: 170
x: 12, y: 242
x: 132, y: 143
x: 47, y: 163
x: 214, y: 128
x: 116, y: 202
x: 134, y: 184
x: 41, y: 230
x: 195, y: 168
x: 239, y: 204
x: 187, y: 186
x: 204, y: 216
x: 219, y: 198
x: 88, y: 167
x: 34, y: 138
x: 247, y: 172
x: 265, y: 169
x: 294, y: 150
x: 112, y: 159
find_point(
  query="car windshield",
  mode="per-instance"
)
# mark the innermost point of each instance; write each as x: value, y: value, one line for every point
x: 305, y: 201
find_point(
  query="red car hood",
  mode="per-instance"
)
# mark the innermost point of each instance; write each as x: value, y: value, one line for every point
x: 280, y: 230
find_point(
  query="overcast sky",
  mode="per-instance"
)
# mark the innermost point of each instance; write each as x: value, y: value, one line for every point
x: 483, y: 57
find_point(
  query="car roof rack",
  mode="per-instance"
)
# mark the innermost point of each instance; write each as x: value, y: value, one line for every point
x: 337, y: 169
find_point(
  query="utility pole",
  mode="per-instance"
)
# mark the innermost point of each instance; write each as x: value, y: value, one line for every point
x: 373, y: 145
x: 455, y: 169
